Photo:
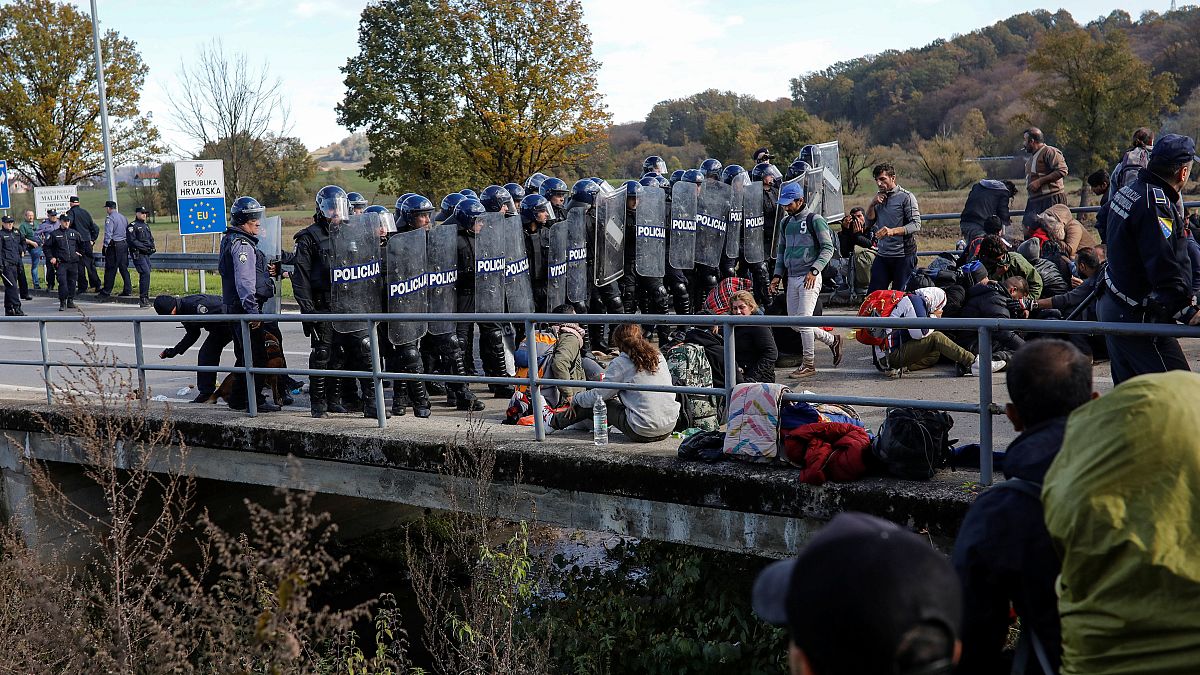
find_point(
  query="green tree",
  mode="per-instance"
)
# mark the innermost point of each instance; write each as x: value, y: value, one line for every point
x: 1093, y: 92
x: 472, y: 100
x: 730, y: 138
x: 267, y: 165
x: 856, y: 154
x: 946, y: 160
x: 793, y: 129
x: 49, y: 104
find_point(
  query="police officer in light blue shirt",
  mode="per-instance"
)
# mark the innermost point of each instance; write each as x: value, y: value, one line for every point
x: 1148, y: 277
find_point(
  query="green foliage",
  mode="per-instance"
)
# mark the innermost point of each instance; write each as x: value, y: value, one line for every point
x: 944, y: 163
x: 269, y: 165
x: 1092, y: 92
x: 790, y: 130
x: 730, y: 137
x: 655, y: 608
x: 353, y: 148
x: 49, y: 105
x: 678, y: 122
x: 459, y: 105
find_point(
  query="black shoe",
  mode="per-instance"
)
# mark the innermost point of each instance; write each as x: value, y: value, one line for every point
x: 103, y: 297
x: 337, y: 408
x: 422, y: 413
x: 126, y: 294
x: 287, y: 400
x: 62, y: 306
x: 502, y: 391
x: 369, y: 412
x: 71, y: 304
x: 451, y: 398
x: 268, y: 407
x: 19, y: 312
x: 202, y: 397
x: 239, y: 406
x: 26, y: 297
x: 318, y: 409
x: 435, y: 388
x: 399, y: 409
x: 143, y: 301
x: 469, y: 403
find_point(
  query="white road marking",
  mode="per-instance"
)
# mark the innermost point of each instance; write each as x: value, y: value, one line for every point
x: 128, y: 345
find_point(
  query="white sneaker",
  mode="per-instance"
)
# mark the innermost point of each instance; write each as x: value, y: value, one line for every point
x: 997, y: 366
x: 547, y: 415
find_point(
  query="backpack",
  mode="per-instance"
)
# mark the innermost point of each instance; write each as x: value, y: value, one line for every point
x: 914, y: 444
x: 878, y: 304
x: 520, y: 406
x: 689, y: 367
x: 1052, y: 281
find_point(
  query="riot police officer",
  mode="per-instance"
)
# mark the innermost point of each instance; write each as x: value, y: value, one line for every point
x: 555, y: 191
x: 654, y: 164
x: 535, y: 221
x: 641, y: 292
x: 491, y: 334
x: 1149, y: 273
x: 219, y: 336
x: 141, y: 247
x: 515, y: 191
x: 770, y: 177
x: 358, y: 203
x: 406, y: 357
x: 449, y: 202
x: 65, y: 248
x: 604, y: 299
x: 245, y: 286
x: 497, y: 200
x: 312, y: 285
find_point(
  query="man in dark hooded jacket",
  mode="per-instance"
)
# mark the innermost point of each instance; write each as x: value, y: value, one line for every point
x: 986, y: 299
x: 987, y: 198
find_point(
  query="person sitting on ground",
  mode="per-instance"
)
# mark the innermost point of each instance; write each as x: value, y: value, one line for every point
x: 986, y: 300
x: 643, y: 416
x: 857, y: 248
x: 1079, y: 303
x: 1021, y: 305
x: 1003, y: 553
x: 1123, y: 514
x: 566, y: 363
x: 754, y: 346
x: 1054, y: 269
x: 864, y: 597
x: 921, y: 348
x: 1002, y: 264
x: 710, y: 339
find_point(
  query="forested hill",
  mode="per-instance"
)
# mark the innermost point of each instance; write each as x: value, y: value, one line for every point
x: 931, y: 88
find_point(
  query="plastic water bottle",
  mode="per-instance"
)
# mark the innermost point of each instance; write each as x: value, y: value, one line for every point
x: 599, y: 422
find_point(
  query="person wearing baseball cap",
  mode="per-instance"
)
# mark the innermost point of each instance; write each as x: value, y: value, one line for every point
x: 864, y: 597
x: 1149, y: 271
x: 805, y: 247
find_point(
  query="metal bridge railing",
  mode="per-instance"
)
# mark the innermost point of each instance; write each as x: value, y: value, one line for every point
x: 983, y: 406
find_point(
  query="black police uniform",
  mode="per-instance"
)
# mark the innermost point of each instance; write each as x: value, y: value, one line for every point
x: 219, y: 337
x: 647, y: 294
x: 537, y: 249
x: 245, y: 286
x: 330, y: 350
x: 491, y: 334
x: 1147, y: 275
x: 82, y: 223
x: 11, y: 245
x: 604, y: 299
x: 141, y: 246
x: 66, y: 248
x: 404, y: 358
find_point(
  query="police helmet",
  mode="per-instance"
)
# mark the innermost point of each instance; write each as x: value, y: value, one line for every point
x: 515, y: 191
x: 534, y: 182
x: 467, y: 212
x: 244, y: 210
x: 450, y: 201
x: 796, y: 169
x: 531, y: 205
x: 654, y: 164
x: 711, y: 168
x: 401, y: 198
x: 675, y: 176
x: 332, y: 203
x: 735, y: 173
x: 468, y: 192
x: 412, y: 207
x: 649, y: 181
x: 553, y: 186
x: 584, y: 191
x: 693, y: 176
x: 495, y: 197
x: 633, y: 188
x: 764, y: 169
x: 357, y: 201
x: 375, y: 208
x: 810, y: 154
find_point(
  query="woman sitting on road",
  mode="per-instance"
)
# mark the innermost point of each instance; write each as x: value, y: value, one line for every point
x: 920, y: 348
x: 643, y: 416
x: 754, y: 346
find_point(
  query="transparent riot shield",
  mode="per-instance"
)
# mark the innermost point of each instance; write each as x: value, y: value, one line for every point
x: 609, y: 264
x: 824, y: 182
x: 577, y: 256
x: 712, y: 210
x: 518, y: 282
x: 681, y: 241
x: 650, y: 234
x: 556, y: 265
x: 441, y: 254
x: 491, y: 261
x: 733, y: 229
x: 270, y: 242
x: 753, y: 246
x: 357, y: 270
x: 407, y: 284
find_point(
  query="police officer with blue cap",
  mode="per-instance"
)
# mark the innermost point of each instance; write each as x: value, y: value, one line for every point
x: 1148, y: 274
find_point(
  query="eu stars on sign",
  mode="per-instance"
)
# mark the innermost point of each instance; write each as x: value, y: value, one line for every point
x: 202, y: 216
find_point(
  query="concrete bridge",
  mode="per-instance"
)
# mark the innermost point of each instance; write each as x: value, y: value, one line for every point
x: 643, y: 492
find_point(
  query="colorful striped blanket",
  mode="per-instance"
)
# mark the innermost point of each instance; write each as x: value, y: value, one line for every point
x: 752, y: 431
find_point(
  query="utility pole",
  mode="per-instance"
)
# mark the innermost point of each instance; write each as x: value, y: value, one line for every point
x: 108, y: 165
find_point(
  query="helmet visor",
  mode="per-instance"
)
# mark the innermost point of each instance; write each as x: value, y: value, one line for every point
x: 336, y: 209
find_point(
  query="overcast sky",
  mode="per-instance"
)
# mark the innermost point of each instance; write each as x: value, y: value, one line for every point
x: 650, y: 50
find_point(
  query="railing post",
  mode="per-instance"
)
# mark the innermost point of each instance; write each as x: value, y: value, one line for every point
x: 137, y: 346
x: 730, y: 365
x: 247, y: 363
x: 535, y: 391
x: 45, y: 362
x: 985, y: 405
x: 376, y: 383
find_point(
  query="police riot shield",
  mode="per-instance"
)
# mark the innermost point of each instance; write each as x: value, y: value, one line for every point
x: 407, y: 284
x: 681, y: 252
x: 441, y: 254
x: 733, y: 231
x: 712, y: 210
x: 823, y: 183
x: 577, y: 255
x: 518, y: 282
x: 753, y: 247
x: 270, y: 238
x: 556, y: 265
x: 650, y: 234
x: 357, y: 270
x: 491, y: 261
x: 609, y: 248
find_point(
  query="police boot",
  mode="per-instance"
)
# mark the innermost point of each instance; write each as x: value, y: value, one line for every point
x: 420, y: 399
x: 71, y: 304
x: 466, y: 399
x: 429, y: 361
x: 316, y: 395
x: 595, y: 335
x: 399, y: 399
x: 335, y: 396
x: 368, y: 401
x: 350, y: 398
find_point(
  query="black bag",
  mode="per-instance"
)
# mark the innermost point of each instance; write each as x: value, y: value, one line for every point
x: 705, y: 446
x: 914, y: 444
